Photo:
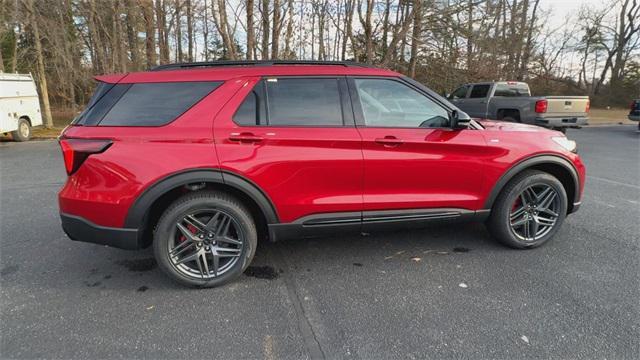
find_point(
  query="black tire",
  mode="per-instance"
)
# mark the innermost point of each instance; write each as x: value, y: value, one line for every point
x: 499, y: 223
x: 23, y: 133
x: 166, y: 230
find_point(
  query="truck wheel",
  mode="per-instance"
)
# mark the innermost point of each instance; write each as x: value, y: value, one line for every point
x: 509, y: 119
x: 529, y: 210
x: 23, y: 133
x: 205, y: 239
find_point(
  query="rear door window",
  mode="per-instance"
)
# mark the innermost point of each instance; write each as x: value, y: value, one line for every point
x: 292, y: 102
x: 479, y: 91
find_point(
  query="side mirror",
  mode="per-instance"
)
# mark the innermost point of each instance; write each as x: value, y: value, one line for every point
x: 458, y: 121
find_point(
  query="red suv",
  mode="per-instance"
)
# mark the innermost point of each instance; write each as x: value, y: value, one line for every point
x: 199, y: 160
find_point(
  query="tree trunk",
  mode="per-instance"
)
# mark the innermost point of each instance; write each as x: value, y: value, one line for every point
x: 416, y: 37
x: 275, y: 36
x: 223, y: 28
x: 289, y: 34
x: 368, y: 29
x: 132, y: 34
x: 470, y: 35
x: 189, y: 31
x: 98, y: 58
x: 163, y: 33
x: 526, y: 55
x: 265, y: 29
x: 251, y: 35
x: 348, y: 21
x: 385, y: 24
x: 178, y: 16
x: 150, y: 34
x: 40, y: 70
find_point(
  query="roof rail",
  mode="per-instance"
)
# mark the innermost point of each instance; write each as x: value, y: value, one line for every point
x: 191, y: 65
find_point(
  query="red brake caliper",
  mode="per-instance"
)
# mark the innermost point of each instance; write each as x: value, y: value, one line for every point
x: 516, y: 204
x: 193, y: 231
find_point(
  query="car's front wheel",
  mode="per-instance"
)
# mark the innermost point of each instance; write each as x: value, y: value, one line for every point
x: 205, y: 239
x: 529, y: 211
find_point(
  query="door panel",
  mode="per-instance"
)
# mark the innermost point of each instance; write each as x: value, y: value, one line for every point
x: 414, y: 167
x: 304, y: 170
x: 430, y: 168
x: 477, y: 102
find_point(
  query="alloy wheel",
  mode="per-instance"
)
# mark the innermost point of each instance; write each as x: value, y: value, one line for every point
x: 205, y: 244
x: 535, y: 212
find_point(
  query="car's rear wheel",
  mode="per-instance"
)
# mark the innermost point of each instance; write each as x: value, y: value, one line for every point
x: 23, y: 133
x: 205, y: 239
x: 529, y: 211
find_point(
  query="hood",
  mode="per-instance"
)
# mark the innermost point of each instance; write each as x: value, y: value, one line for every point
x: 492, y: 125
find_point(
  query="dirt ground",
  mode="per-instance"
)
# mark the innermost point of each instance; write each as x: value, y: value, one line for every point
x: 611, y: 116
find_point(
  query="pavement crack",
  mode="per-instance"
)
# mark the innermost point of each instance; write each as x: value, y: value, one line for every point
x: 309, y: 336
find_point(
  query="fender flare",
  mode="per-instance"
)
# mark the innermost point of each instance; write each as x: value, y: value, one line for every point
x: 136, y: 215
x: 527, y: 163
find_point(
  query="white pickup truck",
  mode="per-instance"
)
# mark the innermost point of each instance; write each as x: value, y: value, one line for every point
x: 19, y: 106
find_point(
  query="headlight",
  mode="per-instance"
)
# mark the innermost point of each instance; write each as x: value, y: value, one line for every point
x: 570, y: 145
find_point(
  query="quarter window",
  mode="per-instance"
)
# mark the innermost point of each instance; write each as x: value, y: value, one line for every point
x: 389, y: 103
x: 155, y: 104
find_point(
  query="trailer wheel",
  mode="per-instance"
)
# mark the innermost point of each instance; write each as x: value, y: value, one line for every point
x: 23, y: 133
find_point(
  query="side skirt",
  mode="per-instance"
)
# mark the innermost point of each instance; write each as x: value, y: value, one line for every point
x: 319, y: 225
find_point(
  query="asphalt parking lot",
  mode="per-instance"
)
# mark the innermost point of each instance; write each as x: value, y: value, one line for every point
x: 442, y: 292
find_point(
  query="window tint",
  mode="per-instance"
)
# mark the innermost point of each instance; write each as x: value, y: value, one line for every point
x: 303, y: 101
x: 511, y: 90
x: 155, y: 104
x: 389, y: 103
x: 101, y: 102
x: 460, y: 93
x: 252, y: 110
x: 479, y: 91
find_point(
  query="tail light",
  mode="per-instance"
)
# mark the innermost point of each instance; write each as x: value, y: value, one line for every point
x: 588, y: 106
x: 76, y: 151
x: 541, y: 106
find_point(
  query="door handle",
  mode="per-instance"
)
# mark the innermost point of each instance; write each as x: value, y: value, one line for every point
x: 389, y: 141
x: 245, y: 137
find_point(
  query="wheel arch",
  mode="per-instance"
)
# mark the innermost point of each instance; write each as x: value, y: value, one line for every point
x: 26, y: 117
x: 149, y: 205
x: 501, y: 113
x: 555, y: 165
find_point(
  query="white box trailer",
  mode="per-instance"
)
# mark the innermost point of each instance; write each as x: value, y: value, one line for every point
x: 19, y: 105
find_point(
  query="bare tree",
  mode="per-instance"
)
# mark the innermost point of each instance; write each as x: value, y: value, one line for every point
x: 251, y: 35
x: 42, y: 75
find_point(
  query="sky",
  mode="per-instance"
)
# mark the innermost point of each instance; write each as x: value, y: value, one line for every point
x: 561, y: 9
